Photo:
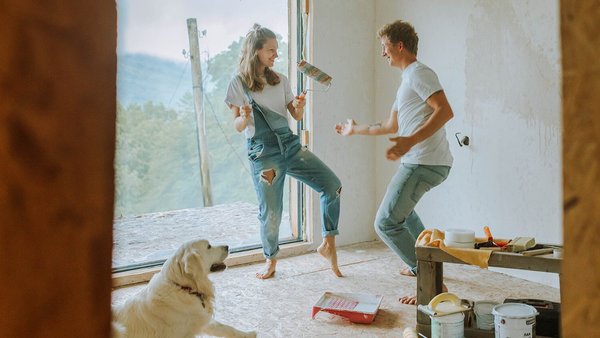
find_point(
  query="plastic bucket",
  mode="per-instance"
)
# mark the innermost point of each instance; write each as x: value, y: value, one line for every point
x: 483, y: 314
x: 448, y: 326
x: 514, y: 320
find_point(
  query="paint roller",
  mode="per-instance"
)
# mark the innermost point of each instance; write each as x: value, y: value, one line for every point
x: 314, y: 73
x: 309, y: 70
x: 306, y: 68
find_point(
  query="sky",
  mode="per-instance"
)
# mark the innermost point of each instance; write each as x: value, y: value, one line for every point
x: 159, y: 28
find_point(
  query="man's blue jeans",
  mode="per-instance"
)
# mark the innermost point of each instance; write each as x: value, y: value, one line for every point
x: 397, y: 223
x: 270, y: 161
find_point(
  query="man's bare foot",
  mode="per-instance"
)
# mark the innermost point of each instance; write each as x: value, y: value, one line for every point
x: 268, y: 271
x: 407, y: 272
x: 412, y: 300
x: 327, y: 250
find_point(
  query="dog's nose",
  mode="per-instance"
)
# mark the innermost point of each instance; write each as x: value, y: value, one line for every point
x: 227, y: 248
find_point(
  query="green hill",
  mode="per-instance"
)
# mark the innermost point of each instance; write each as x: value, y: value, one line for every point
x: 142, y: 78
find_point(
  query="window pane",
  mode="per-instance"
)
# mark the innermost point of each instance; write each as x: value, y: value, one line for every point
x: 159, y: 202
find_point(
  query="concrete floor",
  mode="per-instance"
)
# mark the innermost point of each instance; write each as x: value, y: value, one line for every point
x: 281, y: 306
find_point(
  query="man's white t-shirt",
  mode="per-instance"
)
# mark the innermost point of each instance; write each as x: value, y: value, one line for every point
x: 276, y: 98
x: 419, y: 82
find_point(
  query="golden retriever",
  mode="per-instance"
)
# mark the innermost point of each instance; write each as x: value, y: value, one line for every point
x: 178, y: 301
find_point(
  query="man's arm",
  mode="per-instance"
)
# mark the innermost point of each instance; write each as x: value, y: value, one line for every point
x: 442, y: 113
x: 351, y: 128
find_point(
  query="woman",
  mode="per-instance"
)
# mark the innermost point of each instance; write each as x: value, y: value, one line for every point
x: 259, y: 98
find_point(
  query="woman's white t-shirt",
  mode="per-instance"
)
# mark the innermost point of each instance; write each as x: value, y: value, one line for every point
x: 276, y: 98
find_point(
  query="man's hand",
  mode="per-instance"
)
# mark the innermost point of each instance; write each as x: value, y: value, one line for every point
x: 345, y: 128
x: 402, y: 146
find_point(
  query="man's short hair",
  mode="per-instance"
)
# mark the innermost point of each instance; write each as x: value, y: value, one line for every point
x: 401, y: 31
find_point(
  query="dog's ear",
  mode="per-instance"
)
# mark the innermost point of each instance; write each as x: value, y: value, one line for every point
x: 192, y: 262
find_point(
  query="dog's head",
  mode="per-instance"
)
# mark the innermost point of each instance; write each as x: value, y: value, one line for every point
x: 194, y: 260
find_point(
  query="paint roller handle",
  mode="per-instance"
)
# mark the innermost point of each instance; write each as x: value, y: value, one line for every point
x: 245, y: 110
x: 488, y: 233
x: 299, y: 103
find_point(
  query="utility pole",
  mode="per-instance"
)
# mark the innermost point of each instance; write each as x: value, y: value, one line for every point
x: 200, y: 126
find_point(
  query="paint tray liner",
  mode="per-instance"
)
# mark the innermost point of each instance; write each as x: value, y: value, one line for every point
x: 357, y: 307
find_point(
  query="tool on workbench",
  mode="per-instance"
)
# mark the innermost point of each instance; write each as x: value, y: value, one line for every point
x: 490, y: 244
x: 519, y: 244
x: 537, y: 252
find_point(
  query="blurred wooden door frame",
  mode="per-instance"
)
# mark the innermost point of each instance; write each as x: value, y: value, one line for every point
x: 57, y: 142
x: 580, y: 280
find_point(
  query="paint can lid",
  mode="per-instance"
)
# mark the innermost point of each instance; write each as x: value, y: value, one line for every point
x: 514, y: 310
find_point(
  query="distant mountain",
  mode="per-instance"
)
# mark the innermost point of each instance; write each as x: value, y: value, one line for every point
x: 142, y: 78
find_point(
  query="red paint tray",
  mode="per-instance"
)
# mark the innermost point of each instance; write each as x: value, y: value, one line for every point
x: 357, y: 307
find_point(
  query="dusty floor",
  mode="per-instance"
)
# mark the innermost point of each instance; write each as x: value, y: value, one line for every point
x: 281, y: 307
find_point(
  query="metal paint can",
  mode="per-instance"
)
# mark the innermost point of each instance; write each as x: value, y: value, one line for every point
x: 448, y: 326
x: 514, y: 320
x: 483, y: 314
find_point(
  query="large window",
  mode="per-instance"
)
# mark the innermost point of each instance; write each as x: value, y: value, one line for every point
x: 161, y: 193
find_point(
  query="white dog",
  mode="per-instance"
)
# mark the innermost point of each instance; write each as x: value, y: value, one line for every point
x: 178, y: 301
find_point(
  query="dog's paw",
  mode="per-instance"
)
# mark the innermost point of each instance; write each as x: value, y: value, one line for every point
x: 251, y: 334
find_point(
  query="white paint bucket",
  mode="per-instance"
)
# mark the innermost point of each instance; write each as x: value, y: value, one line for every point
x: 514, y: 320
x: 483, y: 314
x: 448, y: 326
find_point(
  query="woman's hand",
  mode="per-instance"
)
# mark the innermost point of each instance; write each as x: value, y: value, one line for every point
x: 345, y: 128
x: 245, y: 111
x: 299, y: 102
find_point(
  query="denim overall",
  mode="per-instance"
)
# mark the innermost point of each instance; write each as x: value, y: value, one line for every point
x: 274, y: 151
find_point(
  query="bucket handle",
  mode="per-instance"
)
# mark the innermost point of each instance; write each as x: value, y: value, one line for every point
x: 444, y: 297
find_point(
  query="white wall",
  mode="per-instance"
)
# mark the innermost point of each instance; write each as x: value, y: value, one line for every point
x: 499, y: 63
x: 341, y: 47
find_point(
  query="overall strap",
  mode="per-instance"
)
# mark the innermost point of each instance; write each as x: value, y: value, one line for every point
x: 251, y: 101
x: 256, y: 107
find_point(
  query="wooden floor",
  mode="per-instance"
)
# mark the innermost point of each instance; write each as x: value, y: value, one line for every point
x: 281, y: 307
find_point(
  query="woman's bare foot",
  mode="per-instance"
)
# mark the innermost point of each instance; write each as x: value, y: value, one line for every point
x: 327, y: 250
x: 412, y: 300
x: 407, y: 272
x: 268, y: 271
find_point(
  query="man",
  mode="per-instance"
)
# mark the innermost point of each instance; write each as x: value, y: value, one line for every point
x: 418, y: 116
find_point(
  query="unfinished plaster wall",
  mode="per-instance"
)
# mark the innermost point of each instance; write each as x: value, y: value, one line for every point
x: 340, y: 46
x: 499, y: 63
x: 57, y: 121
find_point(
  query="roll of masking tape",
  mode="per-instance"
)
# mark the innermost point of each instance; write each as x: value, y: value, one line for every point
x: 459, y: 236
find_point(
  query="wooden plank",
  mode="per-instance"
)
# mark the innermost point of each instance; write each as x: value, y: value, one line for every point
x: 429, y: 284
x: 470, y: 332
x: 498, y: 259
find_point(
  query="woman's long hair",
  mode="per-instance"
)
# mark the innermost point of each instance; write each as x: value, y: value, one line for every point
x: 249, y: 63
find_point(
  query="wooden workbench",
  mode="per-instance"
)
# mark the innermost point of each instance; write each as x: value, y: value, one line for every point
x: 431, y: 274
